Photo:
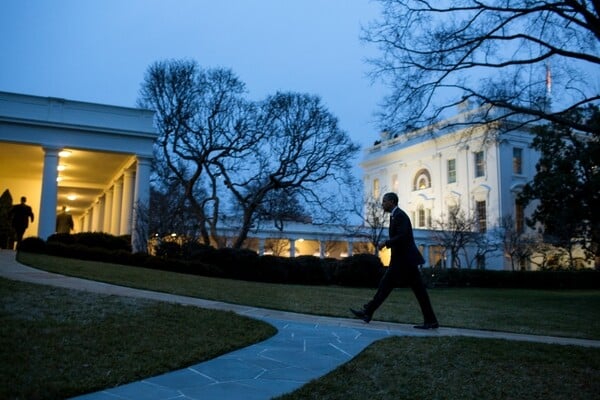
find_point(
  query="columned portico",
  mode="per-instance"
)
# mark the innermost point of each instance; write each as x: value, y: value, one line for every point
x: 105, y: 167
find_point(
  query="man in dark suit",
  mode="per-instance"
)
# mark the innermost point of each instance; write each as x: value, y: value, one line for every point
x: 20, y: 215
x: 403, y: 268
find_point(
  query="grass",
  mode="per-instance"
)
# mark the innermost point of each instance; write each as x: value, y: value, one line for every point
x: 570, y: 313
x: 460, y: 368
x: 55, y: 343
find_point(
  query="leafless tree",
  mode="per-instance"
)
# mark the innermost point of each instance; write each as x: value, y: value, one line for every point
x: 230, y: 154
x: 202, y: 118
x: 519, y: 247
x: 278, y: 246
x: 436, y: 55
x: 373, y: 218
x: 281, y: 206
x: 302, y: 150
x: 454, y: 233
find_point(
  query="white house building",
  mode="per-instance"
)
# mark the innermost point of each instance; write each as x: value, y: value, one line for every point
x: 478, y: 169
x: 94, y: 159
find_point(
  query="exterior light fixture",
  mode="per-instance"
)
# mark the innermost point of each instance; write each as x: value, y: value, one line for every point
x: 64, y: 153
x: 72, y: 197
x: 61, y: 167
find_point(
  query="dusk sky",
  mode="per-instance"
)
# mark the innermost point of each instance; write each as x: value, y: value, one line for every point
x: 98, y: 50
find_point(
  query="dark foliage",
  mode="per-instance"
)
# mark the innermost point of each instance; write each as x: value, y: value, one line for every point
x: 94, y: 239
x: 361, y: 270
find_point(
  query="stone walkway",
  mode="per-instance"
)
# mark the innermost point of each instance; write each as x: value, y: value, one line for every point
x: 306, y: 347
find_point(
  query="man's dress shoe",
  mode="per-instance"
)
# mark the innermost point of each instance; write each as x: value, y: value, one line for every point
x: 361, y: 314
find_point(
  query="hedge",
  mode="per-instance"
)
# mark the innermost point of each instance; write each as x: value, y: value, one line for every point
x: 361, y: 270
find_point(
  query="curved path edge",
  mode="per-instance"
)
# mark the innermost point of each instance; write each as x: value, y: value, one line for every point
x: 306, y: 347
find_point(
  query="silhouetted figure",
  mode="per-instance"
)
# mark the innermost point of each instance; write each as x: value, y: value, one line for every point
x: 64, y: 221
x: 20, y: 215
x: 403, y: 268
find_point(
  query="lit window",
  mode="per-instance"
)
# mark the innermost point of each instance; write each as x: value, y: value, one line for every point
x: 519, y: 218
x: 376, y: 189
x: 421, y: 213
x: 451, y: 171
x: 422, y: 180
x: 479, y: 164
x: 480, y: 210
x: 517, y: 161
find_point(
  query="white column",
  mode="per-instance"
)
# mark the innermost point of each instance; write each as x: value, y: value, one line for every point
x: 321, y: 249
x: 108, y: 205
x: 115, y: 223
x: 141, y: 199
x: 47, y: 217
x: 426, y: 255
x: 261, y: 246
x: 350, y: 247
x: 292, y: 248
x: 87, y: 226
x: 127, y: 203
x: 96, y: 216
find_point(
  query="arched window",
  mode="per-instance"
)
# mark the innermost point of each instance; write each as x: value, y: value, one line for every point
x: 422, y: 180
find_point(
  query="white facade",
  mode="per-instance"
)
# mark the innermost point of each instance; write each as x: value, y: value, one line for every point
x: 474, y: 168
x: 106, y: 173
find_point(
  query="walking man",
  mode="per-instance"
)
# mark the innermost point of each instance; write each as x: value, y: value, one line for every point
x: 20, y: 214
x: 64, y: 221
x: 403, y: 268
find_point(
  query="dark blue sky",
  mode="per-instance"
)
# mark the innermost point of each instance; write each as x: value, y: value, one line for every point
x: 98, y: 50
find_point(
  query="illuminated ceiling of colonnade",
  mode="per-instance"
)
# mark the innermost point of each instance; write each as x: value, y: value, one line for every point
x: 85, y: 176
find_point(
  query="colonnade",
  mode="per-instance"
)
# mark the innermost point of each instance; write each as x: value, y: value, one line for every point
x: 112, y: 212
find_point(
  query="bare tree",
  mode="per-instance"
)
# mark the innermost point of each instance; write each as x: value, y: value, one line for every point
x: 436, y: 55
x: 483, y: 244
x: 454, y: 234
x: 202, y: 118
x: 302, y: 150
x: 280, y: 206
x: 518, y: 247
x: 373, y: 218
x: 230, y: 154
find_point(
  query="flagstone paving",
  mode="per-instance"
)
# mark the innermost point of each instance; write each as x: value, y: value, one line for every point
x: 306, y: 347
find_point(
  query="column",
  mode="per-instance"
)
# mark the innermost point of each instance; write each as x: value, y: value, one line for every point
x: 47, y: 217
x: 261, y: 246
x: 115, y: 223
x: 426, y: 255
x: 96, y: 216
x: 108, y: 205
x: 141, y: 199
x: 292, y: 248
x: 87, y: 226
x: 127, y: 202
x: 321, y: 249
x: 350, y: 247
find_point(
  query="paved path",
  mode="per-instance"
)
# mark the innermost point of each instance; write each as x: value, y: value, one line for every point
x: 306, y: 347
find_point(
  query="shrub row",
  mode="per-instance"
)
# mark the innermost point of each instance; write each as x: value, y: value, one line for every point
x: 361, y: 270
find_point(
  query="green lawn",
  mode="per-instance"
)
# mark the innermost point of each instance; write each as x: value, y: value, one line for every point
x: 461, y: 369
x: 572, y: 313
x: 56, y: 343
